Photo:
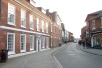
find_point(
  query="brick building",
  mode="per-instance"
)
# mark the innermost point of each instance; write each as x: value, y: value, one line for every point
x: 56, y: 29
x: 94, y: 24
x: 71, y: 37
x: 24, y: 28
x: 83, y: 33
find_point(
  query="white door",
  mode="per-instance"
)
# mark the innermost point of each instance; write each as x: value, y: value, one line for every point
x: 38, y: 45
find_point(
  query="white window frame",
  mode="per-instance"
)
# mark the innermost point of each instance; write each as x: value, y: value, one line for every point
x: 46, y: 27
x: 42, y: 26
x: 31, y: 20
x: 93, y: 24
x: 11, y: 11
x: 13, y: 43
x: 23, y: 18
x: 24, y: 50
x: 31, y: 42
x: 38, y: 24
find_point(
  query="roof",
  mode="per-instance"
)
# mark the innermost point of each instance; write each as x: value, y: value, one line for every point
x: 97, y: 13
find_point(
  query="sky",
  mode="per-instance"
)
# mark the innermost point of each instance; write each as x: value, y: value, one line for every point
x: 72, y: 12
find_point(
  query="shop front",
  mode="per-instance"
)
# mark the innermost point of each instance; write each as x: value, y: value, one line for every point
x: 97, y: 41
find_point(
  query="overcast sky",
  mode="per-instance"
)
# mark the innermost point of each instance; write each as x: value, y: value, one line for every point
x: 72, y: 12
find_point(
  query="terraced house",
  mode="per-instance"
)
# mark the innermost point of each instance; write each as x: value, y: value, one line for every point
x: 26, y: 29
x: 94, y: 28
x: 56, y: 29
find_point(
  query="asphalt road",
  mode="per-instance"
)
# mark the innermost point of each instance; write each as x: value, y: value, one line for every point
x: 72, y: 57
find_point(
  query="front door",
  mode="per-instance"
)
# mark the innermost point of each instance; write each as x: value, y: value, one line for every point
x: 38, y: 47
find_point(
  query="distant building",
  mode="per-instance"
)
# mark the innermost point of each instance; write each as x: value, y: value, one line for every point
x: 84, y: 33
x: 71, y: 37
x: 63, y: 32
x: 56, y: 29
x: 66, y: 36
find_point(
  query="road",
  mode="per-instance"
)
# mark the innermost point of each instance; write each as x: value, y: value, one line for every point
x: 72, y: 57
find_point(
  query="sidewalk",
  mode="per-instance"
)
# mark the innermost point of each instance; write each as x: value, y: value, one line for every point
x: 91, y: 50
x: 44, y: 59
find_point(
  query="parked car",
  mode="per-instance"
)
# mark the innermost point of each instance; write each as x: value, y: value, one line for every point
x: 75, y: 41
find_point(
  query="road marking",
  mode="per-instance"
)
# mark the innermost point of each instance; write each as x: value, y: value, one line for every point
x: 59, y: 65
x: 53, y: 55
x: 71, y: 54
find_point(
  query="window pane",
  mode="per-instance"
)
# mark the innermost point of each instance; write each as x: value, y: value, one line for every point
x: 23, y: 18
x: 31, y: 42
x: 10, y: 42
x: 11, y: 14
x: 22, y: 42
x: 12, y: 18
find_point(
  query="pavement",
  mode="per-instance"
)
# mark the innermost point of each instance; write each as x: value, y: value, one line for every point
x: 43, y: 59
x: 91, y: 50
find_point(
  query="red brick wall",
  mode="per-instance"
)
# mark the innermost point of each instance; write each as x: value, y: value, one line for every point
x: 97, y: 24
x: 18, y: 15
x: 3, y: 39
x: 4, y: 22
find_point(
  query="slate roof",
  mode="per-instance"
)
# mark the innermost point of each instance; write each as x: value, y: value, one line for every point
x: 97, y: 13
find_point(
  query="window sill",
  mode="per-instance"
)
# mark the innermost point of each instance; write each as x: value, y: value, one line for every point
x: 23, y: 51
x: 31, y: 29
x: 11, y: 24
x: 9, y: 53
x: 31, y: 49
x: 23, y: 26
x: 43, y: 47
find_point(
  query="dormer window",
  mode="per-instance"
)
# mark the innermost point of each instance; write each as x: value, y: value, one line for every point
x: 32, y: 2
x: 41, y: 9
